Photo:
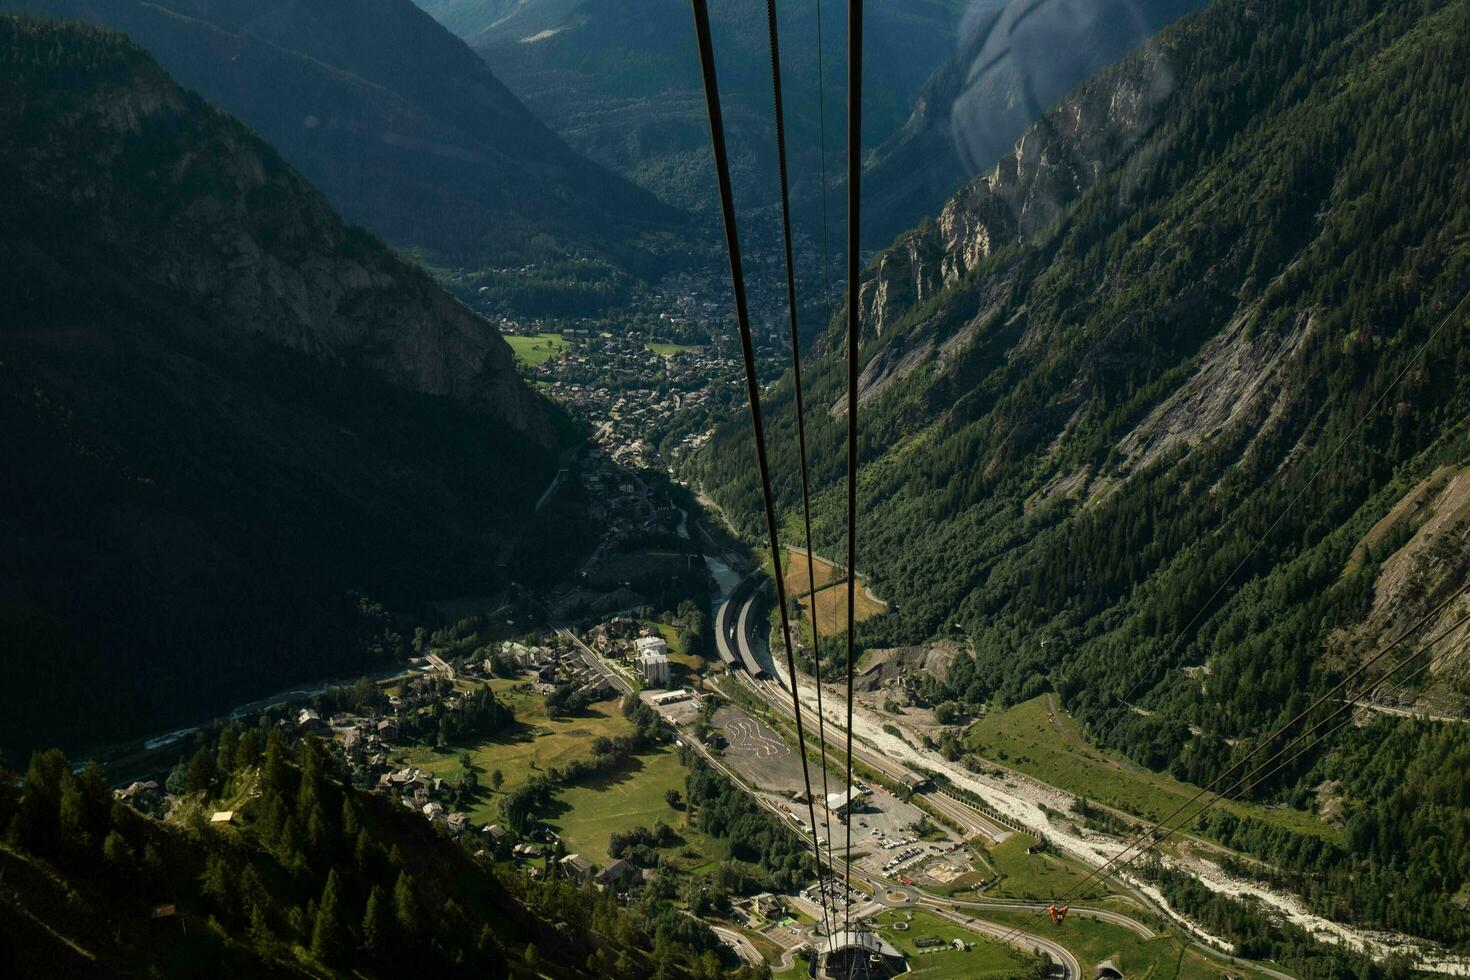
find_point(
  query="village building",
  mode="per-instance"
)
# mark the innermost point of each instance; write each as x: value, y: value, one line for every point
x: 311, y: 723
x: 141, y: 791
x: 843, y: 803
x: 768, y: 905
x: 620, y: 872
x: 576, y: 867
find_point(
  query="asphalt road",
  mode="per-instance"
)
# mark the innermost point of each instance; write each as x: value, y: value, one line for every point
x: 743, y: 947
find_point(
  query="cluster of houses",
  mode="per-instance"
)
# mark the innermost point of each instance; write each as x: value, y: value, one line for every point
x: 538, y: 660
x: 423, y: 792
x: 623, y: 638
x: 619, y: 873
x: 628, y: 392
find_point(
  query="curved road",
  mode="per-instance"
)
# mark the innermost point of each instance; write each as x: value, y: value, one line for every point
x: 743, y: 947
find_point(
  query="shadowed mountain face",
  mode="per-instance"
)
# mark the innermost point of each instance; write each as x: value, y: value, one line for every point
x: 403, y: 128
x: 239, y: 418
x: 1014, y: 62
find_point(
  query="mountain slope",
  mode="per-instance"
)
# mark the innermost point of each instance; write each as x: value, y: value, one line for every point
x: 620, y: 80
x: 1127, y: 369
x: 399, y: 124
x: 1013, y: 62
x: 235, y: 414
x: 310, y: 878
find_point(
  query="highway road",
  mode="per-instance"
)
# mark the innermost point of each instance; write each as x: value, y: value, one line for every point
x: 738, y: 609
x: 971, y: 820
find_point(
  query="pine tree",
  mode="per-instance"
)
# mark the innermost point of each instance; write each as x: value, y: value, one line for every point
x: 247, y: 751
x: 118, y: 853
x: 200, y: 775
x: 362, y: 852
x: 349, y: 818
x: 406, y: 905
x: 276, y: 769
x: 329, y: 936
x: 215, y: 882
x: 260, y: 927
x: 376, y: 924
x: 76, y: 843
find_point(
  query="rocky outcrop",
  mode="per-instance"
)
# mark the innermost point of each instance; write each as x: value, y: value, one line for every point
x: 1014, y: 62
x: 242, y: 429
x: 1049, y: 168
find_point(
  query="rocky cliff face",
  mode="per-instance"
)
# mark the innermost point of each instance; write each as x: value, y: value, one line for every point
x: 1052, y: 164
x: 216, y: 219
x: 1014, y: 62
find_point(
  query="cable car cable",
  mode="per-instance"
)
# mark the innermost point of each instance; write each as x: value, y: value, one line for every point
x: 747, y: 346
x: 806, y: 500
x: 854, y: 225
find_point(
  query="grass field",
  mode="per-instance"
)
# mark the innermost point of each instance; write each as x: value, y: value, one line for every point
x: 831, y: 595
x: 668, y: 350
x: 1136, y: 958
x: 535, y: 743
x: 984, y: 958
x: 1035, y: 739
x: 797, y: 583
x: 587, y: 814
x: 831, y: 607
x: 538, y: 348
x: 1035, y: 876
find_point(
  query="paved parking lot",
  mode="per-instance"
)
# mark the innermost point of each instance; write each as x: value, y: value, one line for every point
x: 758, y: 753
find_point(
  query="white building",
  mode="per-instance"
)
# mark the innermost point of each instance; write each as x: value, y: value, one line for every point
x: 655, y: 668
x: 651, y: 644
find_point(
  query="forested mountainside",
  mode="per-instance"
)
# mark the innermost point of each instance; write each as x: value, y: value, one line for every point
x: 620, y: 80
x: 308, y: 876
x: 404, y: 129
x: 1013, y: 62
x: 246, y: 427
x: 1205, y: 338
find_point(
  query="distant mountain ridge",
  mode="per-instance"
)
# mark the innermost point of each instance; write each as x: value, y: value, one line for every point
x: 241, y: 424
x: 620, y: 80
x: 404, y: 129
